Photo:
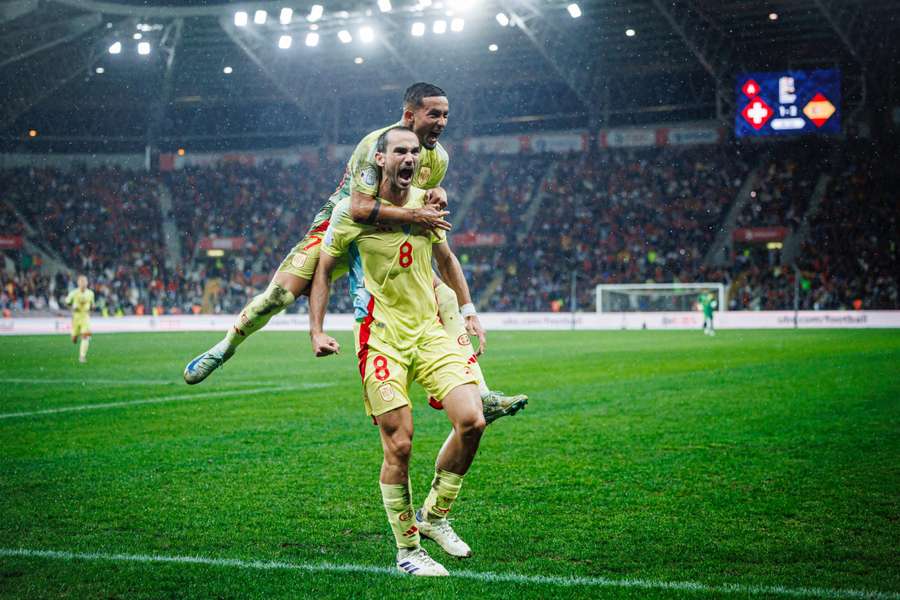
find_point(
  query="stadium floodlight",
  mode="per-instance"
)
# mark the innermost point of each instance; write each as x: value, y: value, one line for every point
x: 315, y: 13
x: 260, y: 16
x: 773, y: 16
x: 285, y: 41
x: 345, y: 36
x: 313, y: 27
x: 137, y: 36
x: 286, y: 15
x: 116, y: 48
x: 384, y: 5
x: 574, y: 10
x: 424, y: 3
x: 240, y: 18
x: 440, y: 26
x: 99, y: 70
x: 32, y: 133
x: 502, y: 19
x: 418, y: 29
x: 144, y: 48
x: 459, y: 5
x: 366, y: 34
x: 228, y: 70
x: 358, y: 60
x: 457, y: 24
x: 493, y: 47
x: 312, y: 39
x: 630, y: 32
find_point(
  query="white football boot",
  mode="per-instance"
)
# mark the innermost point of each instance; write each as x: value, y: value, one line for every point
x: 441, y: 532
x: 415, y: 561
x: 202, y: 366
x: 497, y: 405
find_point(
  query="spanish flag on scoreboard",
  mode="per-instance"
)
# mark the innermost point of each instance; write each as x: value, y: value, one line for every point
x: 819, y: 109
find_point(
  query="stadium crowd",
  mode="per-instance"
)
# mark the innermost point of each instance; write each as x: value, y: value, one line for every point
x: 617, y: 216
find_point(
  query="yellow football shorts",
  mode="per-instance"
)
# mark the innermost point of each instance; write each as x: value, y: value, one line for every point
x: 81, y: 325
x: 387, y: 373
x: 301, y: 261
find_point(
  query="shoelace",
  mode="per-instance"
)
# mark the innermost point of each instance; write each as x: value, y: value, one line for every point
x: 423, y: 557
x: 444, y: 527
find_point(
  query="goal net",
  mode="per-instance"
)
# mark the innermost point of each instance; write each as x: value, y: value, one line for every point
x: 655, y: 297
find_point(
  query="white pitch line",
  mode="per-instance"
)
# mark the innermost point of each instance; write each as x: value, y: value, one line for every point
x: 161, y: 399
x: 559, y: 581
x: 127, y: 382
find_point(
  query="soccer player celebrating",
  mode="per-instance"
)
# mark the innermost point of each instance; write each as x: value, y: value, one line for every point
x: 400, y: 339
x: 708, y: 304
x: 81, y: 300
x: 425, y: 111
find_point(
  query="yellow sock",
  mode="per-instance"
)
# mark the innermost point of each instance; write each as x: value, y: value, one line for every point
x: 455, y: 326
x: 82, y: 350
x: 444, y: 490
x: 258, y: 312
x: 397, y: 499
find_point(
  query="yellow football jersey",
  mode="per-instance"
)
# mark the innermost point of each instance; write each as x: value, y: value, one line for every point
x: 390, y: 272
x: 81, y: 302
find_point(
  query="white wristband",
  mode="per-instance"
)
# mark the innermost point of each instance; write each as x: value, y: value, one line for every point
x: 467, y: 310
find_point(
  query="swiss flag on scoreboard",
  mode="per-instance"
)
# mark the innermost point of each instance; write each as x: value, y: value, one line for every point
x: 751, y: 88
x: 757, y: 113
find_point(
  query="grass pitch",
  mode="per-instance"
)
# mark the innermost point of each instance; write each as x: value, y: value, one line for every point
x: 752, y: 460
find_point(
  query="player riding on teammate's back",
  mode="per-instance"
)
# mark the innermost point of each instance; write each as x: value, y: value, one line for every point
x: 425, y: 111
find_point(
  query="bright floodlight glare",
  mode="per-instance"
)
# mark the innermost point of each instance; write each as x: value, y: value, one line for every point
x: 502, y: 19
x: 424, y: 3
x: 440, y: 26
x: 116, y: 48
x: 286, y: 15
x: 313, y: 27
x: 493, y: 47
x: 345, y: 36
x: 459, y: 5
x: 32, y: 133
x: 773, y: 16
x: 358, y: 60
x: 228, y: 70
x: 384, y: 5
x: 630, y: 32
x: 574, y: 10
x: 137, y: 36
x: 315, y: 13
x: 366, y: 34
x: 457, y: 24
x: 144, y: 48
x: 285, y: 41
x: 99, y: 70
x: 312, y: 39
x: 240, y: 18
x: 260, y: 16
x: 418, y: 29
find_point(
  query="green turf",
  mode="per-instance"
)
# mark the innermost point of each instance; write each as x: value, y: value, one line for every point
x: 754, y: 458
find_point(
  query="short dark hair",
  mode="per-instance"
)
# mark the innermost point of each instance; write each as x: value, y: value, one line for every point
x: 381, y: 144
x: 417, y: 91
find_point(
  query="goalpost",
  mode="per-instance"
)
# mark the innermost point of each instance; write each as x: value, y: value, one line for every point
x: 655, y: 297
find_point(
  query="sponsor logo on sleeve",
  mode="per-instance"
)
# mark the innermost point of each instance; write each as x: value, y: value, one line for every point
x: 369, y: 176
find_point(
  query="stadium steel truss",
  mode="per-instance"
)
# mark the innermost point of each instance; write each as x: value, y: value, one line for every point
x: 550, y: 70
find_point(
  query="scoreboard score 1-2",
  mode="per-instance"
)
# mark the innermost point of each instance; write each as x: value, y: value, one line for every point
x: 788, y: 103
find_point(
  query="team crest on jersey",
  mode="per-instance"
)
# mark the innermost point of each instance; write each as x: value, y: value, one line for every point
x: 387, y: 392
x: 369, y: 176
x: 424, y: 174
x: 299, y: 260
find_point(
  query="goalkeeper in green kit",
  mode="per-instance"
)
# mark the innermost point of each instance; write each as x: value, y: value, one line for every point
x: 708, y: 303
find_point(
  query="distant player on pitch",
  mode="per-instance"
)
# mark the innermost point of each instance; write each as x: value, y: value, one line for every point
x: 399, y: 340
x: 81, y: 300
x: 708, y: 304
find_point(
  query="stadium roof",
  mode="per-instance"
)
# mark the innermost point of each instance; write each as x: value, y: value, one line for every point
x: 617, y: 63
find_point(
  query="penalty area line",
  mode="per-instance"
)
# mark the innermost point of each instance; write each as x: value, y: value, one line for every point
x: 488, y: 577
x: 160, y: 400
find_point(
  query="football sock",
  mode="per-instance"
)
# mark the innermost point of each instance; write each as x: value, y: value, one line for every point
x: 82, y: 350
x: 444, y: 490
x: 397, y: 498
x: 257, y: 313
x: 455, y: 326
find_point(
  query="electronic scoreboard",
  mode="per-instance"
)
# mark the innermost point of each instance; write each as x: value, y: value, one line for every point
x: 788, y: 103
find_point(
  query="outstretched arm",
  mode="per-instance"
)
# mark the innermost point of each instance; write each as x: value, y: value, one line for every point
x: 322, y: 343
x: 452, y: 274
x: 365, y: 208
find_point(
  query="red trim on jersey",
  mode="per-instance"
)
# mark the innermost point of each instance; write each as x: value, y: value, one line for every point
x: 321, y: 227
x: 365, y: 330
